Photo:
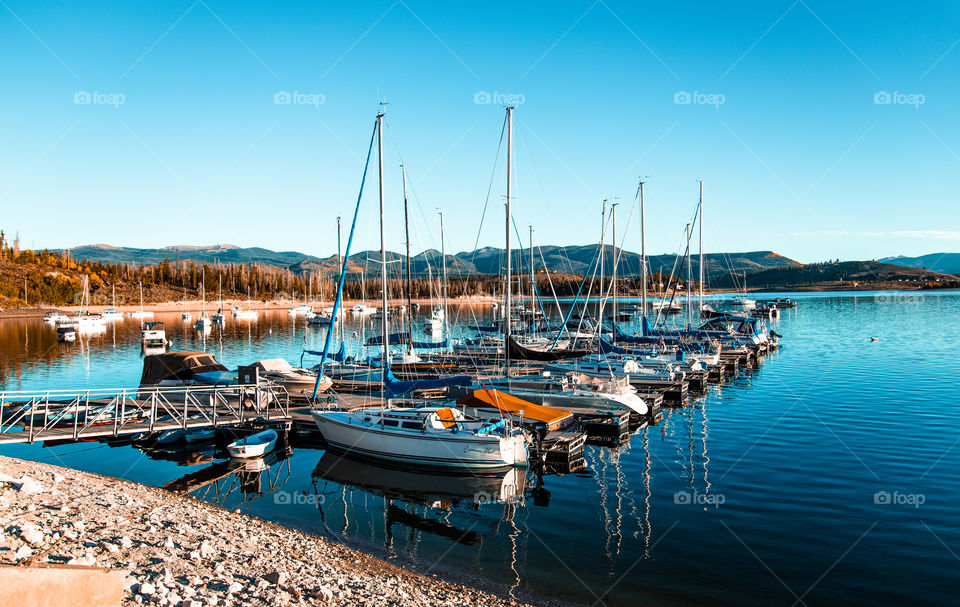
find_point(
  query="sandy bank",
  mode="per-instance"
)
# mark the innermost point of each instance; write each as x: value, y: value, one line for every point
x: 182, y: 551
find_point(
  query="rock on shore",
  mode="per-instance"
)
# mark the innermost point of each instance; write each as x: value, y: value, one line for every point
x: 182, y: 551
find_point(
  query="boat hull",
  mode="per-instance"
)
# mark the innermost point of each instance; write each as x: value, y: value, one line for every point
x: 452, y: 451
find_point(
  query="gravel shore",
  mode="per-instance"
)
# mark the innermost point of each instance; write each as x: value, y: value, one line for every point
x: 181, y: 551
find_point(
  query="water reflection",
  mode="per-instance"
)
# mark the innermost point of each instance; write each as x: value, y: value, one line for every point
x: 250, y: 478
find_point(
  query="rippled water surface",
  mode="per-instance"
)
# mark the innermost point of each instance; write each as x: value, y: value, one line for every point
x: 828, y: 475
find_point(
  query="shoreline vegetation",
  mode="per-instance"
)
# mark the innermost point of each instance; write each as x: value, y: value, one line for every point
x: 178, y: 306
x: 54, y: 279
x: 178, y: 550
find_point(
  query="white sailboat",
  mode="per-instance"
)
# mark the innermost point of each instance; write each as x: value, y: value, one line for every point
x: 141, y: 313
x: 741, y: 301
x: 111, y: 314
x: 218, y: 318
x: 203, y: 323
x: 432, y: 436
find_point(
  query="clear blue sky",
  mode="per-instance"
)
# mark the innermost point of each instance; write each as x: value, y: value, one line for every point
x: 182, y: 141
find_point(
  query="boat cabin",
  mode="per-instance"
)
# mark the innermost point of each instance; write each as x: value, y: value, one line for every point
x: 177, y: 367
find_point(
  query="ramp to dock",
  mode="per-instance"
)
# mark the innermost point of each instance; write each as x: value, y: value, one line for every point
x: 26, y: 417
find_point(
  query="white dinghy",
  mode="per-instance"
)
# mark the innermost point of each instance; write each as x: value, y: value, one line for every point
x: 254, y: 445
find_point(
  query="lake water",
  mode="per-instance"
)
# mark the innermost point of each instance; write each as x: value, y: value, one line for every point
x: 828, y: 475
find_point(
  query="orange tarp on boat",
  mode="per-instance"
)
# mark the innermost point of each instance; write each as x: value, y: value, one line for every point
x: 511, y: 405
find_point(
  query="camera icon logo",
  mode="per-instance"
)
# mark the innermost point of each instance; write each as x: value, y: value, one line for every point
x: 281, y: 497
x: 281, y: 98
x: 681, y: 98
x: 882, y: 98
x: 81, y: 98
x: 681, y: 497
x: 881, y: 497
x: 482, y: 98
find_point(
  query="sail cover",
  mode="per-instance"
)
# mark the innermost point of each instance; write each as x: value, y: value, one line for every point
x: 402, y: 339
x: 394, y: 387
x: 518, y: 352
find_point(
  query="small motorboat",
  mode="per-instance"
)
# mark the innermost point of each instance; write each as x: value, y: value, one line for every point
x: 200, y: 435
x: 254, y: 445
x: 319, y: 320
x: 170, y: 437
x: 244, y: 313
x: 153, y: 335
x: 55, y: 317
x: 743, y: 302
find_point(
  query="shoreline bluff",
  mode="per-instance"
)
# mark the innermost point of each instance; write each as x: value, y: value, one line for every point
x: 181, y: 551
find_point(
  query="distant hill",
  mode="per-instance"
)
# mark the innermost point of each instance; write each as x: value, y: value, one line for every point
x: 224, y: 253
x: 842, y: 273
x: 486, y: 260
x: 948, y: 263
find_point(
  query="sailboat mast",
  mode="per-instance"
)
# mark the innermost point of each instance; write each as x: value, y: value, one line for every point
x: 701, y: 247
x: 383, y: 254
x: 533, y: 303
x: 603, y: 227
x: 689, y: 277
x: 443, y: 261
x: 406, y: 227
x: 506, y: 312
x: 643, y: 257
x: 340, y: 267
x: 613, y: 211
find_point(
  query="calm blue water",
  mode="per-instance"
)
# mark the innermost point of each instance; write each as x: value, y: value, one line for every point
x: 828, y: 475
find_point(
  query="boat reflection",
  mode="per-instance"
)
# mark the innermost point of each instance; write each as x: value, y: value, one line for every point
x: 436, y: 489
x: 252, y: 478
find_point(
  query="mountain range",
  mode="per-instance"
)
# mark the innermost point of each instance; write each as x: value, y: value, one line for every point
x: 948, y: 263
x: 486, y: 260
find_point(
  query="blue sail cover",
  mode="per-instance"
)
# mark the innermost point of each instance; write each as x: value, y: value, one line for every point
x: 394, y: 387
x: 608, y: 348
x: 340, y: 356
x: 402, y: 339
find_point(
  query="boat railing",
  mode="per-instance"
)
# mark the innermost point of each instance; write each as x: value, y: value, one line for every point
x: 26, y: 416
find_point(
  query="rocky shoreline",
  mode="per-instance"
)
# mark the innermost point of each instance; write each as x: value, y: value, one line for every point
x: 177, y: 550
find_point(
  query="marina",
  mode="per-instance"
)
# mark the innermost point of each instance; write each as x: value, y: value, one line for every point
x: 701, y: 448
x: 286, y: 320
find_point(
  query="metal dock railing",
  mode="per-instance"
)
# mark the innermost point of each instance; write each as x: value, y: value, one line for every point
x: 28, y: 416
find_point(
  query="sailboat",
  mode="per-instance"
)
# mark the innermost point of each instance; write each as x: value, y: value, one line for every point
x: 111, y: 313
x: 203, y: 323
x: 432, y: 436
x: 218, y: 317
x: 141, y: 313
x: 83, y: 321
x: 438, y: 317
x: 741, y: 300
